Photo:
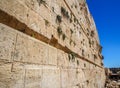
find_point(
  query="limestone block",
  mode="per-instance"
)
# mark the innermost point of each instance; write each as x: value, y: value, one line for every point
x: 52, y: 54
x: 62, y: 59
x: 91, y: 66
x: 72, y: 62
x: 67, y: 42
x: 20, y: 12
x: 49, y: 31
x: 14, y: 8
x: 7, y: 6
x: 55, y: 33
x: 53, y: 19
x: 12, y: 76
x: 38, y: 7
x: 80, y: 76
x: 87, y: 74
x: 72, y: 77
x: 32, y: 4
x: 81, y: 64
x: 56, y: 7
x: 64, y: 78
x: 36, y: 22
x: 5, y: 75
x: 7, y: 42
x: 51, y: 77
x: 33, y: 76
x: 30, y: 50
x: 45, y: 12
x: 18, y: 74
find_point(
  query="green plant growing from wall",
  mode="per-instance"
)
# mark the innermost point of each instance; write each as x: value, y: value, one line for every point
x: 71, y: 56
x: 59, y: 30
x: 63, y: 37
x: 59, y: 18
x: 71, y: 20
x: 65, y: 13
x: 71, y: 31
x: 77, y: 62
x: 33, y: 35
x: 83, y: 52
x: 92, y: 33
x: 75, y: 6
x: 53, y: 9
x: 75, y: 19
x: 90, y: 43
x: 46, y: 22
x: 41, y: 2
x: 70, y: 41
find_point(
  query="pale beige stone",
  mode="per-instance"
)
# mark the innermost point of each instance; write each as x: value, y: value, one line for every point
x: 30, y: 50
x: 51, y: 77
x: 33, y: 76
x: 34, y: 64
x: 7, y: 42
x: 62, y: 59
x: 64, y: 78
x: 52, y: 54
x: 72, y: 77
x: 12, y: 75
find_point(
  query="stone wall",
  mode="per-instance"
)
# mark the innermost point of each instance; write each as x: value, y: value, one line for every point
x: 49, y: 44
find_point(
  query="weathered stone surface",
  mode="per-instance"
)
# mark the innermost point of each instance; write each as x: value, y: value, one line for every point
x: 33, y: 76
x: 62, y: 59
x: 61, y: 28
x: 64, y: 78
x: 7, y: 43
x: 51, y: 77
x: 52, y: 53
x: 12, y: 75
x: 30, y: 50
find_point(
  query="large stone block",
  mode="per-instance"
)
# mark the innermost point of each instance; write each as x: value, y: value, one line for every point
x: 7, y: 42
x: 14, y: 8
x: 52, y: 54
x: 11, y: 75
x: 80, y: 76
x: 33, y: 76
x: 51, y: 77
x: 72, y: 77
x: 62, y: 59
x: 49, y: 31
x: 64, y: 78
x: 30, y: 50
x: 36, y: 22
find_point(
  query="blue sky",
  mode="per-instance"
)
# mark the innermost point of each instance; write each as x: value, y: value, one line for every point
x: 106, y: 14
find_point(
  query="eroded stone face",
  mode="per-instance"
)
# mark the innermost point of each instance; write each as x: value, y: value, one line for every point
x: 12, y: 75
x: 7, y: 43
x: 27, y: 61
x: 33, y: 76
x: 30, y: 52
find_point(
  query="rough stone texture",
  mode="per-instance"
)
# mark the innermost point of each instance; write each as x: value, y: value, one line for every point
x: 30, y: 51
x: 7, y: 43
x: 11, y: 75
x: 61, y: 52
x: 51, y: 77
